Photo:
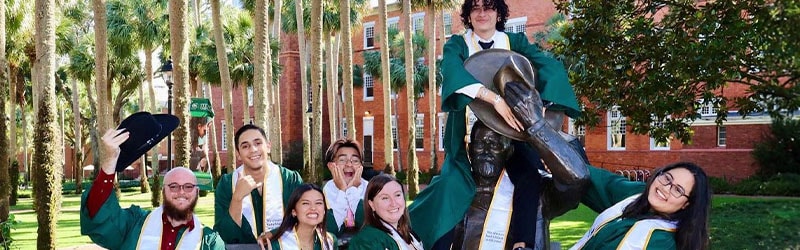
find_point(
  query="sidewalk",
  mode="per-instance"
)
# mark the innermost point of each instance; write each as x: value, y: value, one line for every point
x: 84, y: 247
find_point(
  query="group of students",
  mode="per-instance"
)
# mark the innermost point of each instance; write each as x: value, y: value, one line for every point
x: 264, y: 203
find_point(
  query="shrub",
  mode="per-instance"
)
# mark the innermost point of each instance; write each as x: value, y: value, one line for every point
x: 6, y: 241
x: 749, y: 186
x: 782, y: 185
x: 720, y: 185
x: 778, y: 152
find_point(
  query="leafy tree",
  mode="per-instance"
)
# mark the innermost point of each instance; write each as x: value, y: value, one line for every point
x: 656, y: 59
x: 779, y: 152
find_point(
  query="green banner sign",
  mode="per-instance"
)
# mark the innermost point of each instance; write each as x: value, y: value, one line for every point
x: 201, y: 107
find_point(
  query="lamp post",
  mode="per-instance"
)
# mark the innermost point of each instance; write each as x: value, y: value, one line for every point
x: 166, y: 74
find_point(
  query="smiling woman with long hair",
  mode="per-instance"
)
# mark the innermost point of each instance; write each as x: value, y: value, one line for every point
x: 303, y: 225
x: 386, y: 223
x: 669, y: 211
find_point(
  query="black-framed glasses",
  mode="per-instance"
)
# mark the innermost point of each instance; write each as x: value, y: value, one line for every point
x: 175, y: 187
x: 676, y: 190
x: 355, y: 161
x: 485, y: 8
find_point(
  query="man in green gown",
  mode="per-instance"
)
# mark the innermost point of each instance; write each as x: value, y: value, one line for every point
x: 170, y: 226
x: 249, y: 202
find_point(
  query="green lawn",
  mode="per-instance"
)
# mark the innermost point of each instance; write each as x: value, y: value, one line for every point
x: 737, y: 222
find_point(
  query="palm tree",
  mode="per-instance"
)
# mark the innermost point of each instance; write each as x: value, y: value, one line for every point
x: 413, y: 168
x: 100, y: 71
x: 383, y: 39
x: 301, y: 45
x: 263, y: 62
x: 179, y: 47
x: 5, y: 188
x: 225, y: 76
x: 347, y: 68
x: 48, y: 155
x: 316, y: 90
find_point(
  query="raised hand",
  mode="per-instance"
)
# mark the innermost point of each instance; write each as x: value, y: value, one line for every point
x: 338, y: 176
x: 111, y: 141
x: 356, y: 181
x: 525, y: 103
x: 244, y: 185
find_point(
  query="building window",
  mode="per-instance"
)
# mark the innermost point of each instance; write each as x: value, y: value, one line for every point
x: 369, y: 35
x: 655, y: 144
x: 393, y: 23
x: 344, y: 127
x: 418, y: 20
x: 707, y: 109
x: 579, y: 131
x: 616, y: 129
x: 224, y: 131
x: 442, y: 121
x: 369, y: 87
x: 516, y: 25
x: 394, y: 133
x: 722, y: 136
x: 250, y: 96
x: 419, y: 139
x: 448, y: 24
x: 367, y: 142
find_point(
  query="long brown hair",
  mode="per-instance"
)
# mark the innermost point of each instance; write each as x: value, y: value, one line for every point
x: 371, y: 218
x: 289, y: 220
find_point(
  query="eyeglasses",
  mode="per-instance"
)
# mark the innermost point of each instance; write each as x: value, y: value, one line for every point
x: 175, y: 187
x: 675, y: 190
x: 355, y: 161
x: 485, y: 8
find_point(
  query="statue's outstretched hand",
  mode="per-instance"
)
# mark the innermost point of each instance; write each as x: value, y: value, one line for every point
x: 525, y: 103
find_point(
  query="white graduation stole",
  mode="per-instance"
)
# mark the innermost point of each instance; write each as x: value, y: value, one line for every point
x: 498, y: 217
x: 289, y: 240
x: 401, y: 243
x: 272, y: 202
x: 636, y: 237
x: 500, y: 39
x: 150, y: 236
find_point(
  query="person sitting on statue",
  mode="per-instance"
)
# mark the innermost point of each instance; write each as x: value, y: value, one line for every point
x: 345, y: 192
x: 303, y: 225
x: 173, y: 225
x: 250, y: 202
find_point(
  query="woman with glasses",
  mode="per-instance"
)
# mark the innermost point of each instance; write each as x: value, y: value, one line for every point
x: 386, y: 225
x: 345, y: 192
x: 669, y: 211
x: 303, y: 225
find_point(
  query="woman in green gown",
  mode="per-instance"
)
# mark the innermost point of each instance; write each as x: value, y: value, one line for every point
x: 303, y: 225
x: 386, y: 223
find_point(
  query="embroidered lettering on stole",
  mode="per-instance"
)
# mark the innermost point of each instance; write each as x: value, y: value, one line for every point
x: 498, y: 217
x: 272, y: 202
x: 150, y: 236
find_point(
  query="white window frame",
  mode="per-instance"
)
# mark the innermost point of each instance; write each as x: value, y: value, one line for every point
x: 418, y: 21
x: 653, y: 144
x: 368, y: 127
x: 706, y: 109
x: 395, y: 142
x: 617, y: 124
x: 392, y: 22
x: 579, y: 131
x: 442, y: 124
x: 369, y: 32
x: 419, y: 127
x: 224, y: 139
x: 447, y: 24
x: 250, y: 96
x: 516, y: 25
x: 344, y: 127
x: 722, y: 136
x: 369, y: 83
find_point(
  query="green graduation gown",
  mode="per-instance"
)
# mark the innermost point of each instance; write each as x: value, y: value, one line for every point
x: 606, y: 190
x: 116, y: 228
x: 370, y: 238
x: 224, y: 224
x: 337, y: 229
x: 441, y: 205
x: 317, y: 243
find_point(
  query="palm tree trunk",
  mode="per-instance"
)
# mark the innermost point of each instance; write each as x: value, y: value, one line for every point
x: 275, y: 126
x: 245, y: 102
x: 388, y: 153
x: 78, y: 154
x: 432, y: 91
x: 216, y: 171
x: 263, y: 65
x: 413, y: 168
x: 316, y: 90
x: 104, y: 118
x: 222, y: 60
x: 347, y: 69
x: 144, y: 184
x: 5, y: 179
x: 48, y: 155
x: 154, y: 159
x: 276, y: 22
x: 330, y: 76
x: 301, y: 48
x: 179, y: 46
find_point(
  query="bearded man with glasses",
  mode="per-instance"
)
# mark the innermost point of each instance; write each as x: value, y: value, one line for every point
x: 345, y: 192
x: 170, y: 226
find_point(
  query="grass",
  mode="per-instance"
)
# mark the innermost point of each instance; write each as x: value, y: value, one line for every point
x: 737, y: 222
